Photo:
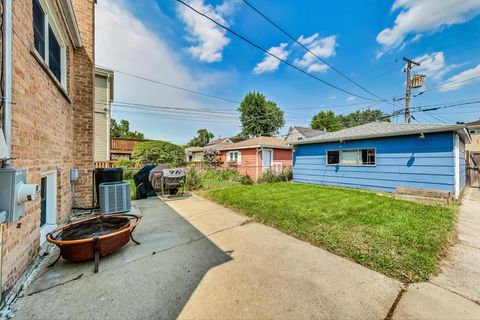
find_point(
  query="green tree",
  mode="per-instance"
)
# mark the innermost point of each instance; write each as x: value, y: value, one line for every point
x: 326, y: 120
x: 259, y: 116
x: 202, y: 139
x: 122, y: 130
x: 360, y: 117
x: 158, y: 152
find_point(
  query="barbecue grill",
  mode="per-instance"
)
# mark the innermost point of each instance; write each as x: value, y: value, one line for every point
x: 168, y: 180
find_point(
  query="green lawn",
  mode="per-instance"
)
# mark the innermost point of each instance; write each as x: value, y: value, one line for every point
x: 401, y: 239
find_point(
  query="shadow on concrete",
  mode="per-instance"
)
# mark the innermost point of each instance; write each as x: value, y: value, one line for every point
x: 153, y: 280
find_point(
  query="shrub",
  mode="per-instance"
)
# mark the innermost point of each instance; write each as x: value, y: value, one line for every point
x: 246, y: 180
x: 210, y: 158
x: 221, y: 175
x: 194, y: 180
x: 159, y: 152
x: 129, y: 173
x: 271, y: 177
x: 124, y: 163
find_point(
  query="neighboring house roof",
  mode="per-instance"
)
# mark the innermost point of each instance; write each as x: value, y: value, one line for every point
x: 220, y: 145
x: 383, y: 129
x: 309, y: 132
x: 259, y: 142
x: 474, y: 124
x: 218, y: 141
x: 195, y: 149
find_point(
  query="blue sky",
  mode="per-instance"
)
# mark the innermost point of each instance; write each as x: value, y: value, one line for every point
x: 165, y: 41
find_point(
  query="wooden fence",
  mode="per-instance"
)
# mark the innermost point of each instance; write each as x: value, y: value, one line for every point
x: 473, y: 169
x: 123, y: 145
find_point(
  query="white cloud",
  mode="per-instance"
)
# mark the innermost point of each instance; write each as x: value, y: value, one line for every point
x: 269, y: 63
x: 209, y: 39
x: 323, y: 47
x: 349, y: 99
x: 333, y: 97
x: 317, y: 67
x: 308, y: 40
x: 432, y: 65
x: 461, y: 79
x: 147, y: 55
x: 420, y: 16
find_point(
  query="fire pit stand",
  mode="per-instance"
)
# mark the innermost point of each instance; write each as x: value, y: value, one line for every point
x: 94, y: 237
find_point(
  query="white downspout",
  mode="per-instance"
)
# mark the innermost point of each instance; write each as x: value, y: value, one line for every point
x: 6, y: 104
x: 7, y: 76
x: 456, y: 149
x: 256, y: 164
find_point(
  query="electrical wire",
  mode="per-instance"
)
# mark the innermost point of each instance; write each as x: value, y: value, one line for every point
x: 271, y: 54
x: 311, y: 52
x: 172, y: 86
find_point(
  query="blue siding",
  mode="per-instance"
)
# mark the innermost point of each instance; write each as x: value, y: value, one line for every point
x: 463, y: 164
x: 405, y: 161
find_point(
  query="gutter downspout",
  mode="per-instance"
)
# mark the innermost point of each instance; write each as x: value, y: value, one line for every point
x: 256, y: 164
x: 6, y: 104
x: 7, y: 75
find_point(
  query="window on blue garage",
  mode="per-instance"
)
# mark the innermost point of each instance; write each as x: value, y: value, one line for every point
x: 352, y: 157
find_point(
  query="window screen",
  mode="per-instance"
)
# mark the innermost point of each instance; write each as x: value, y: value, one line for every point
x: 349, y: 157
x: 54, y: 56
x: 39, y: 28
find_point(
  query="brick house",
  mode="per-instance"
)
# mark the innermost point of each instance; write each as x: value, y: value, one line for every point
x: 254, y: 156
x: 47, y: 116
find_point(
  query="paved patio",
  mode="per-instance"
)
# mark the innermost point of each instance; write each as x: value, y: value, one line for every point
x: 200, y: 260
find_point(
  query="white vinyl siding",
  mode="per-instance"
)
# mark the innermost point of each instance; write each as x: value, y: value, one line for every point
x: 101, y: 120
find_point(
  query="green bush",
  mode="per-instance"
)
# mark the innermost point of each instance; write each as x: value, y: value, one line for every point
x: 210, y: 157
x: 221, y: 175
x: 270, y: 177
x: 194, y: 180
x: 124, y: 163
x: 246, y: 180
x: 129, y: 173
x: 159, y: 152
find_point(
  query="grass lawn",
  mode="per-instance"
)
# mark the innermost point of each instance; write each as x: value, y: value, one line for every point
x: 401, y: 239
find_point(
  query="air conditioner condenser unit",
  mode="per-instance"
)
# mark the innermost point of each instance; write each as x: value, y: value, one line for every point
x: 114, y: 197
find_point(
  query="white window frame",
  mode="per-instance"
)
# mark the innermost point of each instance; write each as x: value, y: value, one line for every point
x: 351, y: 165
x: 51, y: 221
x: 271, y: 159
x: 50, y: 21
x: 230, y: 157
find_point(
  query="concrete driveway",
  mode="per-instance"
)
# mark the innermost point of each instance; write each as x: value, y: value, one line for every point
x: 199, y: 260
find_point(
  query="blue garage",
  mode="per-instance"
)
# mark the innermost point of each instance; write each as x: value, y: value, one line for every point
x: 383, y: 156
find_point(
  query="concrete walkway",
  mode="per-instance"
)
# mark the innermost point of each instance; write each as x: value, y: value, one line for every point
x: 202, y: 261
x: 455, y: 292
x: 199, y: 260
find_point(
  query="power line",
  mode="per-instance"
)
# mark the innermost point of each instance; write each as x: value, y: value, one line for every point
x: 173, y: 86
x: 273, y: 55
x: 310, y: 51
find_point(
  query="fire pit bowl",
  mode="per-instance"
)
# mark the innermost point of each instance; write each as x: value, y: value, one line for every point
x: 95, y: 237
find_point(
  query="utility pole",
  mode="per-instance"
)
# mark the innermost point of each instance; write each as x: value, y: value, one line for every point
x: 409, y: 83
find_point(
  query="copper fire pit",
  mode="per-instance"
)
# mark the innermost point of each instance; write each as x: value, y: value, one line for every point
x: 95, y: 237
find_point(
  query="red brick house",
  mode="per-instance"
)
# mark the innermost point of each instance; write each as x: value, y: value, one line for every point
x: 254, y: 156
x: 47, y: 116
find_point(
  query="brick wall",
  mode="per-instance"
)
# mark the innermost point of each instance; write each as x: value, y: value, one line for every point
x: 51, y: 130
